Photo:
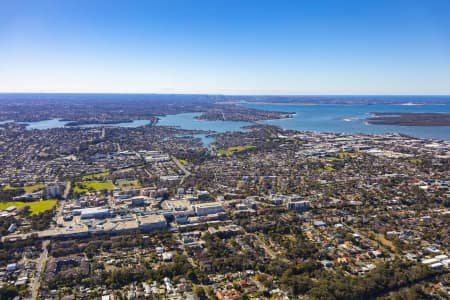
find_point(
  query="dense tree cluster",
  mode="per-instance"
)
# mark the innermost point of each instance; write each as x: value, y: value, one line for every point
x: 8, y: 292
x: 388, y: 276
x: 9, y: 194
x: 12, y: 251
x: 42, y: 221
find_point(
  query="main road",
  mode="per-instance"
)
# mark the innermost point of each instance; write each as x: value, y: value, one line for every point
x: 40, y: 264
x: 181, y: 167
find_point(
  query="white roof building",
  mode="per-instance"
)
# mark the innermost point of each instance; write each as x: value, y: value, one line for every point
x: 203, y: 209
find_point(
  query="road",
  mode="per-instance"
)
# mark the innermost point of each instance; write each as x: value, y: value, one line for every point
x: 268, y: 250
x: 265, y: 247
x: 67, y: 189
x: 39, y: 270
x: 118, y: 147
x: 60, y: 205
x: 260, y: 286
x: 182, y: 168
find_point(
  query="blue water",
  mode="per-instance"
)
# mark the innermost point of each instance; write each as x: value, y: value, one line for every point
x: 317, y: 118
x: 133, y: 124
x: 57, y: 123
x: 45, y: 124
x: 188, y: 121
x: 351, y: 118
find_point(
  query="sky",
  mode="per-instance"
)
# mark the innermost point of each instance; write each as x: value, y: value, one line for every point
x: 299, y: 47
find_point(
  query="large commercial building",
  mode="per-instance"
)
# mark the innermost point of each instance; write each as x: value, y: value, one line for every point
x: 204, y: 209
x: 292, y: 202
x: 152, y: 222
x: 179, y: 209
x: 155, y: 156
x: 298, y: 205
x: 94, y: 213
x: 55, y: 191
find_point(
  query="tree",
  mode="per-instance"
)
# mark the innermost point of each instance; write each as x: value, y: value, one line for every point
x: 200, y: 292
x: 8, y: 292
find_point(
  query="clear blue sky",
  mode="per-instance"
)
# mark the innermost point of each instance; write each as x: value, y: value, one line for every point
x: 226, y: 46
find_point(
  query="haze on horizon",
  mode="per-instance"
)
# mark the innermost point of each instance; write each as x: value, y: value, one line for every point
x: 226, y: 46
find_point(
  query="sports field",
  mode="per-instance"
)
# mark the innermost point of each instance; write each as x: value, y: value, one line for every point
x: 36, y: 207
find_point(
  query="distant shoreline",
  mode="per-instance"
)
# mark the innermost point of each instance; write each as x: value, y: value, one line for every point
x: 409, y: 119
x: 409, y: 103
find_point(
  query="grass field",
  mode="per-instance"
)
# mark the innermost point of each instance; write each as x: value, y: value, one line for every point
x: 415, y: 161
x: 34, y: 188
x: 129, y: 184
x: 36, y: 207
x: 236, y: 149
x: 83, y: 187
x: 27, y: 188
x: 183, y: 162
x: 329, y: 169
x: 8, y: 187
x: 345, y: 154
x: 294, y: 141
x: 383, y: 241
x: 95, y: 176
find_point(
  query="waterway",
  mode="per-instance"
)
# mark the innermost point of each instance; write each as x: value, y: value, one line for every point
x: 188, y: 121
x: 352, y: 118
x: 57, y: 123
x: 334, y: 118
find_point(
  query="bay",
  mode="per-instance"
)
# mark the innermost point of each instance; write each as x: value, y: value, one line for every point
x: 347, y: 118
x: 188, y: 121
x: 58, y: 123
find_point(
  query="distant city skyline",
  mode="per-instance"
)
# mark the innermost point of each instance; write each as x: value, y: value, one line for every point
x: 329, y: 47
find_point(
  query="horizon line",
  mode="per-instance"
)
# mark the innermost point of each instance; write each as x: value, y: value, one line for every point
x: 218, y: 94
